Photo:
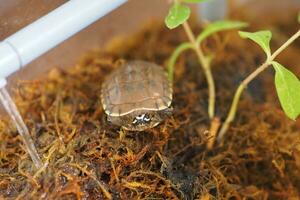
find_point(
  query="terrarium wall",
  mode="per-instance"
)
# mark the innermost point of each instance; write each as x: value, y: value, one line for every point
x: 128, y: 18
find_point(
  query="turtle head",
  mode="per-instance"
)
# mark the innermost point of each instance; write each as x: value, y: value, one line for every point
x: 147, y: 119
x: 141, y: 120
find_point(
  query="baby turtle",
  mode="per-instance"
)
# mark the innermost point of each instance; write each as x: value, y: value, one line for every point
x: 137, y: 96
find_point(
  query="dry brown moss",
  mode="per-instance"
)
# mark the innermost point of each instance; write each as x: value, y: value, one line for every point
x: 89, y: 159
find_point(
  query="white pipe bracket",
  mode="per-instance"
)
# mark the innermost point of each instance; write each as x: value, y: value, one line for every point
x: 10, y: 60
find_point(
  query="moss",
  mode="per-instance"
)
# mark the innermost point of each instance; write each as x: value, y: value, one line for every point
x: 87, y: 158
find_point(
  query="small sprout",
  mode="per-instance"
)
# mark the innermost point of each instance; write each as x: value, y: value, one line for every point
x: 299, y: 17
x: 262, y: 38
x: 287, y: 84
x: 287, y: 87
x: 177, y: 15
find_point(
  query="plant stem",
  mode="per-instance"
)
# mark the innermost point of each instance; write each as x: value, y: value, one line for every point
x: 244, y: 84
x: 206, y: 68
x: 236, y: 98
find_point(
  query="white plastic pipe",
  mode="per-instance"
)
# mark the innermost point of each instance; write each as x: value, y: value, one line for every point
x: 42, y: 35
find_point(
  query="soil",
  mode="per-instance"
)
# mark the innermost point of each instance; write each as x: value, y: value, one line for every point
x: 88, y: 158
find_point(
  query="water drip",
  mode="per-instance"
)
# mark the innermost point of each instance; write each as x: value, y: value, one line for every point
x: 14, y: 114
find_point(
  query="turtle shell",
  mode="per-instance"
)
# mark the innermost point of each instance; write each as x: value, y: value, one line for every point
x: 136, y: 86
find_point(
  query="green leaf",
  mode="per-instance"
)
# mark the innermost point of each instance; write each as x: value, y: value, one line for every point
x: 217, y: 26
x: 288, y: 90
x: 177, y: 15
x: 194, y: 1
x: 299, y: 17
x: 171, y: 63
x: 262, y: 38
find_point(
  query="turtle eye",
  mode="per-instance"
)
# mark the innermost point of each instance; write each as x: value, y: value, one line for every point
x: 138, y: 119
x: 146, y: 118
x: 135, y: 121
x: 141, y: 119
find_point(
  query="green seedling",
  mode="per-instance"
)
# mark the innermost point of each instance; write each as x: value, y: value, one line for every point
x: 178, y: 15
x: 286, y: 83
